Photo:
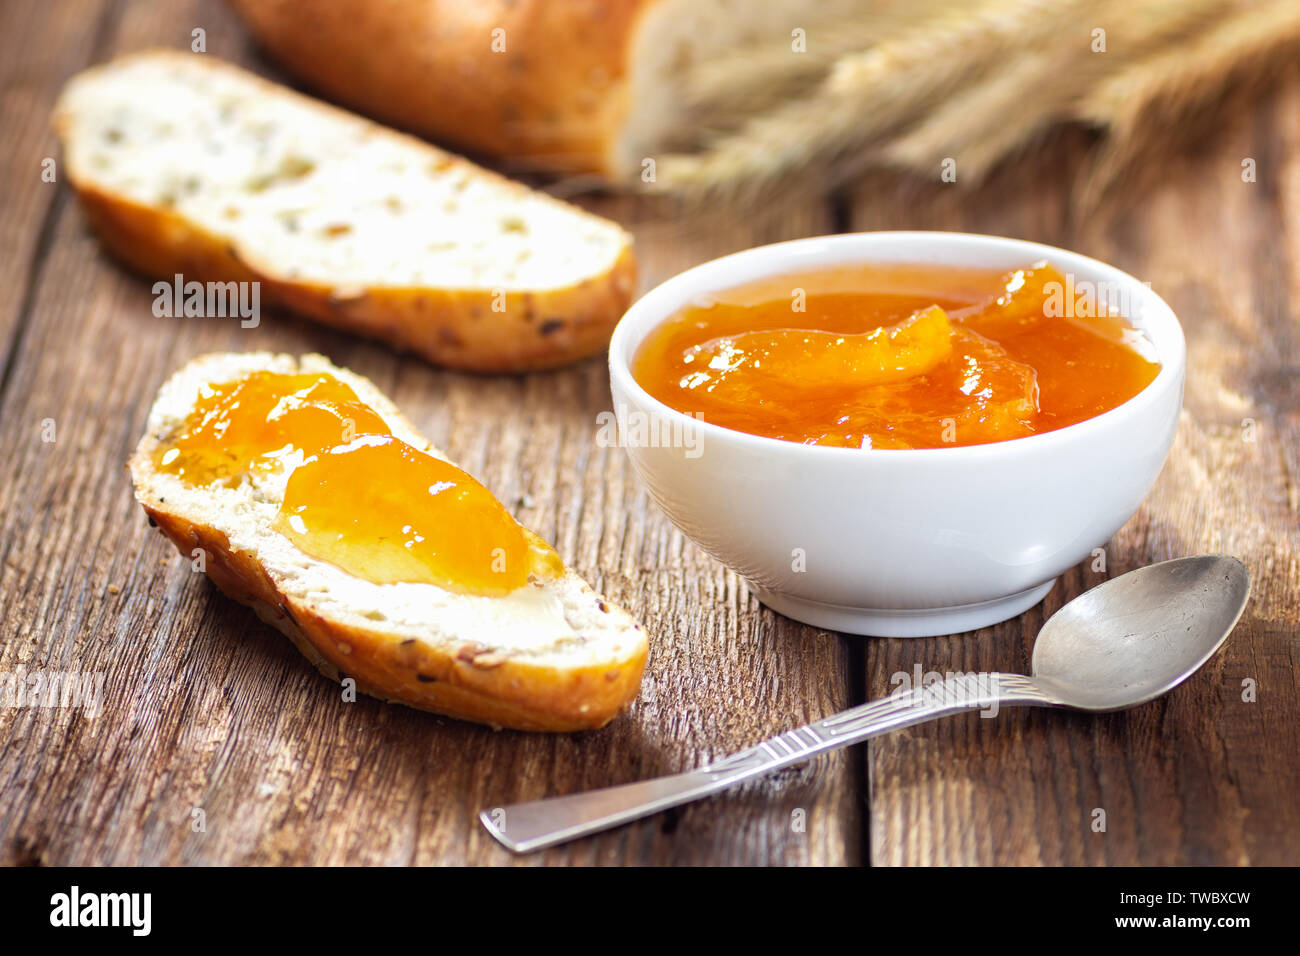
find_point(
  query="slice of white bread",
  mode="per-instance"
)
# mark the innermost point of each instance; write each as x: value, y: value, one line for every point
x: 552, y: 655
x: 188, y: 165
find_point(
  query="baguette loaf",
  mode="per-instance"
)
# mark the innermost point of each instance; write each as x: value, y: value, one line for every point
x: 552, y: 655
x: 570, y: 85
x: 186, y: 165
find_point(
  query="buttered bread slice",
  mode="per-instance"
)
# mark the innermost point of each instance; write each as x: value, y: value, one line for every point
x: 188, y: 165
x: 304, y: 493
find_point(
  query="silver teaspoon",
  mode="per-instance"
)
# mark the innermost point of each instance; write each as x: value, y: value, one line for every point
x: 1125, y: 642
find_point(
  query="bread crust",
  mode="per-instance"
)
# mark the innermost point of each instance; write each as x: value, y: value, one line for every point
x: 458, y: 328
x: 464, y: 680
x: 455, y: 328
x: 471, y: 684
x: 555, y: 97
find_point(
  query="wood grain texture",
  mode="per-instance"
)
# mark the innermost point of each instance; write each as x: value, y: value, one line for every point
x: 1202, y: 776
x: 44, y: 44
x: 208, y: 709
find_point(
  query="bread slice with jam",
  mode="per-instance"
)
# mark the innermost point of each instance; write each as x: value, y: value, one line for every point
x: 379, y: 559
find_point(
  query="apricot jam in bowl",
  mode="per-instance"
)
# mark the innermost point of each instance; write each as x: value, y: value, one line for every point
x: 899, y: 434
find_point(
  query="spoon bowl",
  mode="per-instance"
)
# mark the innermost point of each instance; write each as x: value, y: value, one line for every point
x: 1139, y: 635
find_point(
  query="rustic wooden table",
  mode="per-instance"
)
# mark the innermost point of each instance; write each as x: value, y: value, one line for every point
x: 208, y: 709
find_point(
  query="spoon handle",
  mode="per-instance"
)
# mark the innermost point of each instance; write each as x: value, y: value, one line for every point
x: 524, y: 827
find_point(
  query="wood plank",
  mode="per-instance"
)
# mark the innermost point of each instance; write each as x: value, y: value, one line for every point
x: 44, y: 44
x: 1200, y: 777
x: 208, y: 709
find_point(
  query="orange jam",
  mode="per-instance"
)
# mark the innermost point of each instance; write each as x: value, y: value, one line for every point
x: 251, y: 424
x: 359, y: 498
x: 898, y: 356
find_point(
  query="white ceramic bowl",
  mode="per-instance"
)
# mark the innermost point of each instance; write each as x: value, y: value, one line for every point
x: 899, y: 543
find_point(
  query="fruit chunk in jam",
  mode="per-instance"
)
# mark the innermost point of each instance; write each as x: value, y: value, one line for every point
x: 741, y: 366
x: 387, y: 512
x: 356, y: 496
x: 895, y: 357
